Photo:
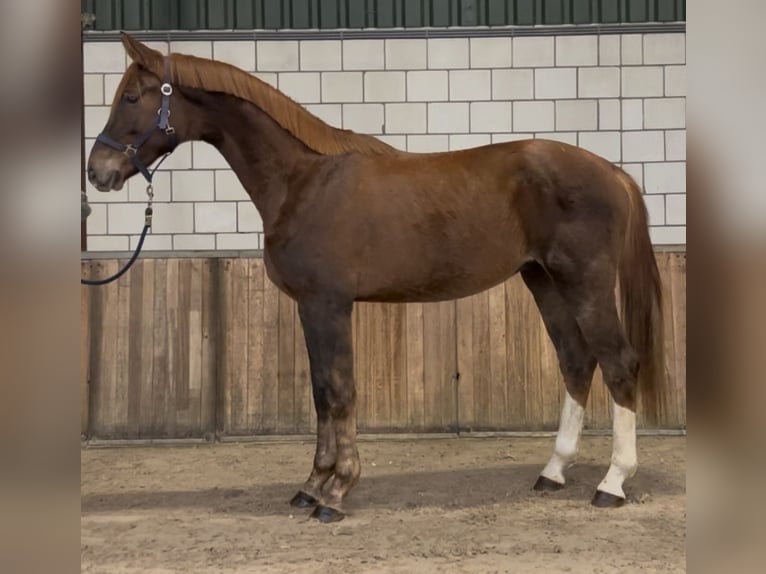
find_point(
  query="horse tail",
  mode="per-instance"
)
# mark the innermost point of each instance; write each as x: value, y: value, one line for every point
x: 641, y: 304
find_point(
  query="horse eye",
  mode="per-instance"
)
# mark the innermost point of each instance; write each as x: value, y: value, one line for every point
x: 131, y: 98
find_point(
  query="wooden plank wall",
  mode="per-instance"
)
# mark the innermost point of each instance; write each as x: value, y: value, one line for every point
x: 183, y: 348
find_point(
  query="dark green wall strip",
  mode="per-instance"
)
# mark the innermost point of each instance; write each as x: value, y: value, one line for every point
x: 181, y: 35
x: 362, y: 14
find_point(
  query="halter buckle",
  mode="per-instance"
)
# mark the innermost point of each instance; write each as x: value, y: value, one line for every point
x: 166, y: 89
x: 129, y: 150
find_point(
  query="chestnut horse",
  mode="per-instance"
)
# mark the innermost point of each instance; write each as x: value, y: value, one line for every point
x: 348, y: 218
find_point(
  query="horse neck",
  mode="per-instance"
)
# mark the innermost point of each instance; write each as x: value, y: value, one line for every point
x: 260, y: 152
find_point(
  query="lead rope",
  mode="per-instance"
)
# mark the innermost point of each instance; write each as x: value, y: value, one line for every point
x: 148, y: 212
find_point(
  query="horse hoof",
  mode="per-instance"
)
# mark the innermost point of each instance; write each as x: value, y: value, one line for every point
x: 303, y: 500
x: 605, y: 500
x: 544, y: 484
x: 325, y: 514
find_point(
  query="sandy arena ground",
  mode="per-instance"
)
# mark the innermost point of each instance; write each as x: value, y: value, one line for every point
x: 422, y: 506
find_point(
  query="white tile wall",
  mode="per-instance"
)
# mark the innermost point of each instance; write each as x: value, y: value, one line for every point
x: 555, y: 83
x: 675, y: 145
x: 609, y: 50
x: 609, y: 114
x: 470, y: 85
x: 513, y: 84
x: 193, y: 48
x: 321, y: 55
x: 632, y: 50
x: 599, y: 83
x: 605, y: 144
x: 632, y: 114
x: 104, y: 57
x: 240, y: 54
x: 275, y: 56
x: 93, y: 86
x: 364, y: 118
x: 533, y: 116
x: 363, y: 55
x: 448, y: 118
x: 577, y: 115
x: 406, y: 118
x: 446, y: 53
x: 192, y: 185
x: 195, y: 242
x: 664, y: 113
x: 428, y: 86
x: 621, y: 96
x: 228, y: 187
x: 665, y: 177
x: 643, y: 146
x: 675, y: 80
x: 248, y: 218
x: 665, y: 49
x: 489, y: 117
x: 303, y: 87
x: 491, y: 53
x: 529, y: 52
x: 577, y: 51
x: 205, y: 156
x: 215, y: 217
x: 385, y: 87
x: 342, y: 87
x: 406, y: 54
x: 427, y: 143
x: 162, y: 187
x: 642, y: 82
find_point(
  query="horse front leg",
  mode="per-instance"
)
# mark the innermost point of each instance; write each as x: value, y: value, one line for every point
x: 324, y: 459
x: 327, y: 329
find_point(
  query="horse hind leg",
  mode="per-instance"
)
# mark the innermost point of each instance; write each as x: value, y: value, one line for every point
x: 588, y: 288
x: 577, y: 365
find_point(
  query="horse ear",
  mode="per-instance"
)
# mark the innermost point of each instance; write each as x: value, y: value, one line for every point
x: 140, y: 53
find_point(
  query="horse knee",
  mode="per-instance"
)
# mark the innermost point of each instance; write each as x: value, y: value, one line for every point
x: 341, y: 401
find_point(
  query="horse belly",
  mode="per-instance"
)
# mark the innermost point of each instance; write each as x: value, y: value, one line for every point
x: 443, y: 271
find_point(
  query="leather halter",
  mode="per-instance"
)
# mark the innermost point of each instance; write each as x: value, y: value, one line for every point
x: 163, y: 123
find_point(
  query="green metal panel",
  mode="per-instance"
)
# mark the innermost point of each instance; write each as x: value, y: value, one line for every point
x: 356, y: 13
x: 413, y: 13
x: 331, y: 14
x: 553, y: 12
x: 497, y: 12
x: 302, y: 14
x: 384, y: 14
x: 524, y: 13
x: 440, y: 12
x: 244, y: 14
x: 188, y: 15
x: 636, y: 11
x: 582, y: 11
x: 609, y: 11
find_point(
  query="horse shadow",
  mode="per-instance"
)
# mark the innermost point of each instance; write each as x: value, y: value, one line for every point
x: 446, y: 489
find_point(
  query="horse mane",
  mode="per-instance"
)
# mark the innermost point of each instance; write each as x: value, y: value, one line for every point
x: 213, y: 76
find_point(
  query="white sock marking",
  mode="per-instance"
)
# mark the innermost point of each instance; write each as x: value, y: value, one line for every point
x: 567, y: 440
x: 624, y: 459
